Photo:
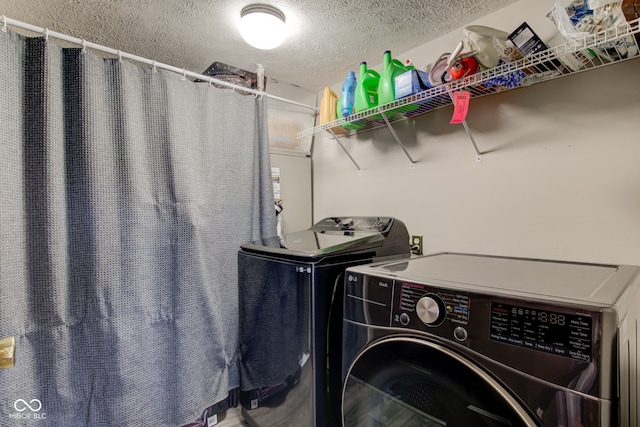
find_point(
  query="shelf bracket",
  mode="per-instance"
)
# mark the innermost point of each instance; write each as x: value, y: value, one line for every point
x: 395, y: 136
x: 469, y: 134
x: 473, y: 141
x: 345, y: 150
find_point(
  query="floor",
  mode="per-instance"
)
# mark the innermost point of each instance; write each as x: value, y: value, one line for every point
x: 233, y: 419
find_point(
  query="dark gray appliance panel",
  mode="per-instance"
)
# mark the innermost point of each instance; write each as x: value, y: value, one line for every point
x: 501, y: 329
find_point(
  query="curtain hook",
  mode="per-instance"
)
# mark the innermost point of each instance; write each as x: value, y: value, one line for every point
x: 84, y: 46
x: 46, y: 34
x: 209, y: 81
x: 184, y: 74
x: 4, y: 24
x: 154, y: 69
x: 119, y: 56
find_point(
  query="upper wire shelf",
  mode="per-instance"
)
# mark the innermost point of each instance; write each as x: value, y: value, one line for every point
x: 614, y: 45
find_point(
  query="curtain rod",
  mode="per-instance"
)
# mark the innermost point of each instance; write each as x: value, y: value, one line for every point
x: 85, y: 44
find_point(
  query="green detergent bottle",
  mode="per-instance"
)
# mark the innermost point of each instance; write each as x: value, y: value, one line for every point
x: 390, y: 69
x: 366, y: 88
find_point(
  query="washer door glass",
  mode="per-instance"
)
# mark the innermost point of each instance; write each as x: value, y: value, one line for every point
x: 408, y: 382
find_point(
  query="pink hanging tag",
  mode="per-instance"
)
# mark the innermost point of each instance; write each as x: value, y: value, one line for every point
x: 460, y: 106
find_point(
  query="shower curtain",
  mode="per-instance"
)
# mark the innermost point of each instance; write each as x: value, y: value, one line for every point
x: 125, y: 193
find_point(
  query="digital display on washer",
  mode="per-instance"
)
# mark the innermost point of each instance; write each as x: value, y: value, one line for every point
x: 563, y: 334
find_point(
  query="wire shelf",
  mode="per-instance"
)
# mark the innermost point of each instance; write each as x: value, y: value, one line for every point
x: 614, y: 45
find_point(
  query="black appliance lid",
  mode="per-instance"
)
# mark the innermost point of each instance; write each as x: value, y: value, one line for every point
x: 331, y: 236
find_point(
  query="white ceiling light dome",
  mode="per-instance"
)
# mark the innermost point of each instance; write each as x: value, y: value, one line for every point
x: 262, y: 26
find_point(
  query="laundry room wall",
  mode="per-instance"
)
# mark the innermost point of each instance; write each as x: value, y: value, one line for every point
x: 290, y: 156
x: 559, y: 176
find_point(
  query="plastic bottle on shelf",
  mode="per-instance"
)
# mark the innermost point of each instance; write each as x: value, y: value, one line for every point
x: 347, y: 125
x: 366, y: 95
x: 328, y: 106
x: 348, y: 94
x: 328, y: 110
x: 390, y: 69
x: 408, y: 65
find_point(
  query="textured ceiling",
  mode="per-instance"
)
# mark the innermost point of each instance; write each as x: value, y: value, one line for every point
x: 326, y: 37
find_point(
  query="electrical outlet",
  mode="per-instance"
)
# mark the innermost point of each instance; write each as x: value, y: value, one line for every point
x: 416, y: 245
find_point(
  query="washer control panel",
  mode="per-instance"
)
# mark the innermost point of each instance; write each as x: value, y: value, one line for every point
x: 431, y: 306
x: 540, y: 337
x: 558, y: 333
x: 355, y: 223
x: 479, y: 321
x: 393, y: 303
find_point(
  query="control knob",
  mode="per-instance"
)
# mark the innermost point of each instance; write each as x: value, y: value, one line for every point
x: 430, y: 309
x: 404, y: 319
x: 460, y: 333
x: 346, y: 224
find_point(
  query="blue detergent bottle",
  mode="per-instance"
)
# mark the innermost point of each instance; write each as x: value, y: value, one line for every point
x: 348, y: 94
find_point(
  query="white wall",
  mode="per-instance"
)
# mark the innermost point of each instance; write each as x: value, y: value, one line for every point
x: 295, y: 189
x: 559, y: 178
x: 290, y: 155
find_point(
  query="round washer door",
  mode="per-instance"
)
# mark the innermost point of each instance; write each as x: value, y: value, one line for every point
x: 413, y: 382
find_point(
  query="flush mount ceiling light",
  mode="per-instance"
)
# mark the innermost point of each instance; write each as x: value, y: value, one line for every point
x: 262, y: 26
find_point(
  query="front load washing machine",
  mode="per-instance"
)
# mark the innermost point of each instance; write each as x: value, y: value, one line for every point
x: 290, y: 296
x: 471, y: 340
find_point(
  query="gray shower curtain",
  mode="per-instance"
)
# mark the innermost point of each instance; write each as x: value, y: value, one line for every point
x: 124, y: 195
